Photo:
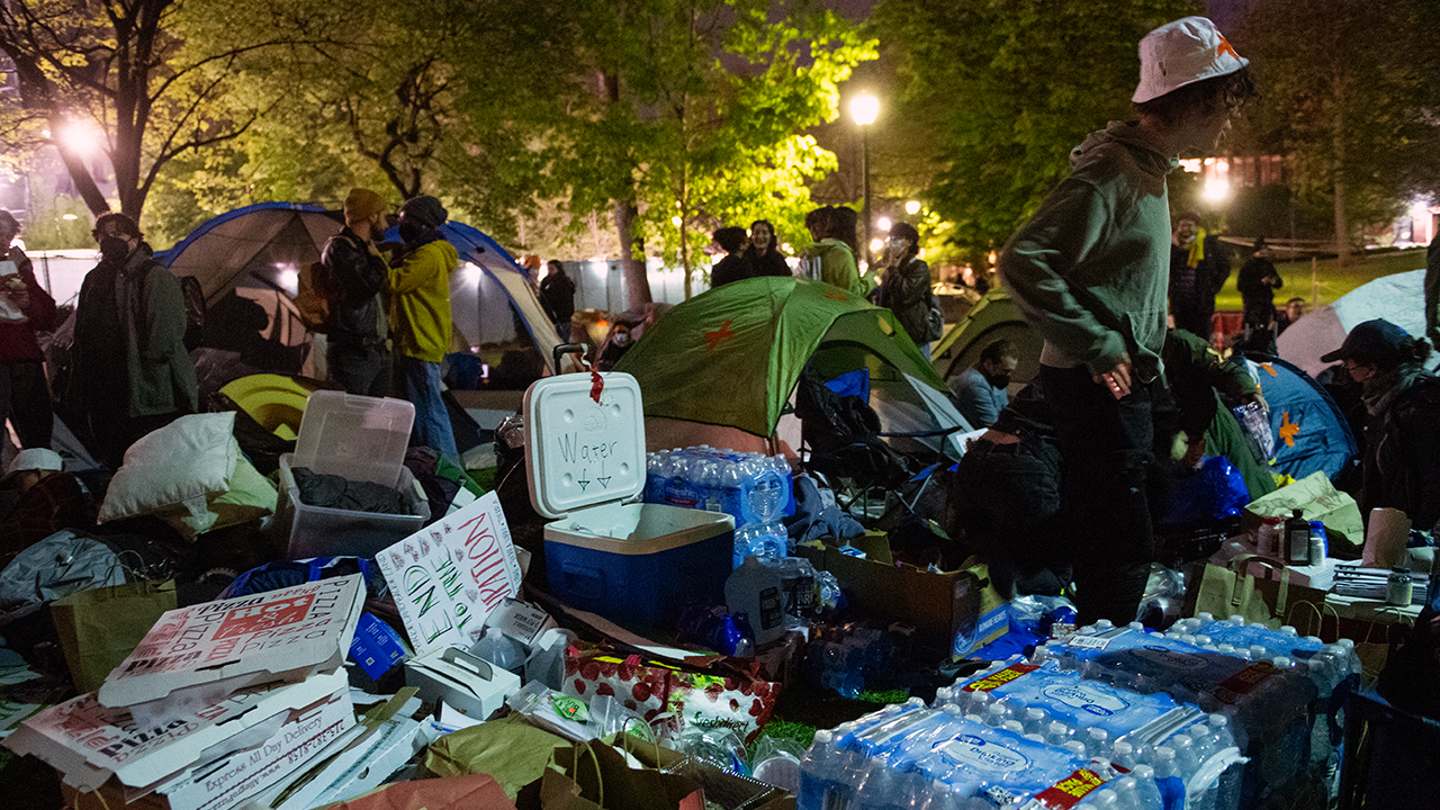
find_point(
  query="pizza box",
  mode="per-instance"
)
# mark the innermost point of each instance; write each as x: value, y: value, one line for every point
x: 195, y: 656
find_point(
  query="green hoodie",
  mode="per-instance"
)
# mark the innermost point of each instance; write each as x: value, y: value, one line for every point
x: 1090, y: 270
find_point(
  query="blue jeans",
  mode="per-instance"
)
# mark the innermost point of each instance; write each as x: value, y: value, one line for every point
x: 421, y: 381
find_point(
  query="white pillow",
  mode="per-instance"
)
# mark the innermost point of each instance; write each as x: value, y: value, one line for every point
x: 250, y: 497
x: 177, y: 466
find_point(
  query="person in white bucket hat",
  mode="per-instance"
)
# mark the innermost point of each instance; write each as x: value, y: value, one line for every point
x: 1090, y: 271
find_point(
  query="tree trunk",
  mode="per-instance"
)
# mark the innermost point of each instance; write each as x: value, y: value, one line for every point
x: 1342, y: 224
x: 84, y: 181
x: 637, y: 283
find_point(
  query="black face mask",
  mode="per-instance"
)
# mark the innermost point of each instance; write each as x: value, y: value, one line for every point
x: 998, y: 380
x: 114, y: 249
x: 411, y: 231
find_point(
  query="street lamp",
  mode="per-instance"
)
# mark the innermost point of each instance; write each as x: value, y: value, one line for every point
x: 864, y: 108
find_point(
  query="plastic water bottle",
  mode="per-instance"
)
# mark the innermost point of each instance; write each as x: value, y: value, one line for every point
x: 882, y: 788
x: 1057, y: 734
x: 945, y: 797
x: 1097, y: 742
x: 1147, y: 792
x: 1122, y: 753
x: 754, y: 589
x: 1104, y: 799
x: 820, y: 771
x: 1167, y: 777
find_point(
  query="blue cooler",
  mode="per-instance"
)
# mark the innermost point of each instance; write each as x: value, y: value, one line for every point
x: 633, y: 563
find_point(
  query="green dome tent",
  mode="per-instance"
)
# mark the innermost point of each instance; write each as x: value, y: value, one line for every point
x: 733, y: 356
x: 993, y: 317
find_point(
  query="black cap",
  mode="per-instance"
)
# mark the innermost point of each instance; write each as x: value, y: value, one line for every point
x: 1374, y: 342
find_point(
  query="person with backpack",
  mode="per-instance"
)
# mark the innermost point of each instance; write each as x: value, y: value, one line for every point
x: 905, y: 287
x: 357, y: 357
x: 131, y: 373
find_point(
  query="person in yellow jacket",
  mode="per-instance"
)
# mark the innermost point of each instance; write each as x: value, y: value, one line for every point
x: 420, y: 319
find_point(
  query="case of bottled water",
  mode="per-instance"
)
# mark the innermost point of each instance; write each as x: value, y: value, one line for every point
x: 753, y: 488
x: 1271, y: 700
x: 922, y: 758
x: 1060, y: 707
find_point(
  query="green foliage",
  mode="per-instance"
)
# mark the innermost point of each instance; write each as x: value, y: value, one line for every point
x: 696, y: 111
x: 1012, y: 86
x: 46, y: 225
x: 1349, y: 98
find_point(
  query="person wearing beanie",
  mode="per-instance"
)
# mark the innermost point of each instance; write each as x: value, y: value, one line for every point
x: 420, y: 319
x: 356, y: 355
x: 1400, y: 463
x: 25, y: 308
x: 1090, y: 271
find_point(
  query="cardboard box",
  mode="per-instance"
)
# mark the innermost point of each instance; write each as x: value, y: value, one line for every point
x: 220, y: 784
x: 89, y: 744
x: 386, y: 738
x: 360, y: 439
x: 957, y: 609
x: 196, y: 656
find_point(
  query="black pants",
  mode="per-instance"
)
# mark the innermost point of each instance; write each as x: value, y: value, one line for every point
x: 25, y: 401
x: 1106, y: 446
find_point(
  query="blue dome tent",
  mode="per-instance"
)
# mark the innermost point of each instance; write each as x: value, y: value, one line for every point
x: 1310, y: 431
x: 257, y: 251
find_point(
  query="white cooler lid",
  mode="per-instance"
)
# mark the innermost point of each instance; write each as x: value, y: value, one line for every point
x: 360, y: 438
x: 579, y: 452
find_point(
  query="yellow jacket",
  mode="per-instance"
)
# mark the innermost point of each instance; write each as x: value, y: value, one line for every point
x: 420, y: 301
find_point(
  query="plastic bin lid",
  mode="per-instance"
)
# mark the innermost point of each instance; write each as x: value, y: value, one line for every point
x: 580, y: 452
x: 360, y: 438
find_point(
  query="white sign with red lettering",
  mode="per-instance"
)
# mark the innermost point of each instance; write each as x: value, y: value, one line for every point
x: 197, y: 655
x: 448, y: 577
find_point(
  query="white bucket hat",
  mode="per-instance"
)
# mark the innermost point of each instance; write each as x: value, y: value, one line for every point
x: 34, y: 458
x: 1183, y: 52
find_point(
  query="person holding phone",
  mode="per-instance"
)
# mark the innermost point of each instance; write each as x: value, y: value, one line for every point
x: 28, y: 309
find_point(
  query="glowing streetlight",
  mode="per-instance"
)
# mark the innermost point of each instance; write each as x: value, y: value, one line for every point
x: 675, y: 221
x: 1217, y: 189
x: 883, y: 223
x: 912, y: 208
x: 80, y: 138
x: 864, y: 108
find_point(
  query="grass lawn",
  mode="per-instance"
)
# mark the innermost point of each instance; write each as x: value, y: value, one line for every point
x: 1331, y: 280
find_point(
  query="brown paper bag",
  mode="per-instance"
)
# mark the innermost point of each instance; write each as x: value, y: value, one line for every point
x: 511, y: 750
x: 100, y: 626
x: 594, y: 776
x: 1229, y: 591
x: 1318, y: 500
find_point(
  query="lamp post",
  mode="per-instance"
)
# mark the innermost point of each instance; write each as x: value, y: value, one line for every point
x: 864, y: 108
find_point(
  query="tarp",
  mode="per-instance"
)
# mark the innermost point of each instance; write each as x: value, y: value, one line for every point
x: 1311, y: 433
x: 1398, y: 298
x: 260, y: 248
x: 733, y: 356
x: 993, y: 317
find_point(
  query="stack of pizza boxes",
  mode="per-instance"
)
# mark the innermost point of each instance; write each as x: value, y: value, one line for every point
x: 221, y: 702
